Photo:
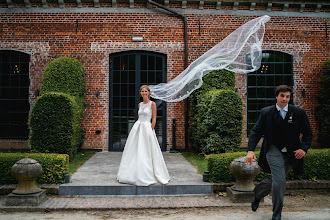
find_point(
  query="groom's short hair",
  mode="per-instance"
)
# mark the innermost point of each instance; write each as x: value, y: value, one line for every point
x: 282, y: 88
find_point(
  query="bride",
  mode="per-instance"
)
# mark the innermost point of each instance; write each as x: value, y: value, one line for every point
x: 142, y: 163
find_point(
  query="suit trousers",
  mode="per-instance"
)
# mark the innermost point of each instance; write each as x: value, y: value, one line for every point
x: 279, y: 166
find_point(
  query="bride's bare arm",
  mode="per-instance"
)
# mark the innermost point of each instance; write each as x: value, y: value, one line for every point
x: 154, y: 115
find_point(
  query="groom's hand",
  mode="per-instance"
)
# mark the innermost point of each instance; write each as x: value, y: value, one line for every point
x: 299, y: 153
x: 249, y: 157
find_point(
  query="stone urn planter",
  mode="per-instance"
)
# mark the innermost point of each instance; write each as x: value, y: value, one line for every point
x: 26, y: 171
x: 244, y: 174
x: 242, y: 190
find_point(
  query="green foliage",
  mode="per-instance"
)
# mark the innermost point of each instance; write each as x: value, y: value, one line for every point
x: 55, y: 125
x: 206, y: 132
x: 322, y: 109
x: 65, y: 75
x: 218, y: 122
x: 56, y: 116
x: 53, y: 166
x: 316, y: 166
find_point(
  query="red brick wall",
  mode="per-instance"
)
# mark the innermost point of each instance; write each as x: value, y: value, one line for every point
x: 91, y: 37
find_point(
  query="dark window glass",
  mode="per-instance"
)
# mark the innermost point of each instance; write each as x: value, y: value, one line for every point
x: 14, y: 94
x: 276, y: 69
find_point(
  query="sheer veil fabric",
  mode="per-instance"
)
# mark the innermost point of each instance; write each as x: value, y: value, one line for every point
x: 239, y: 52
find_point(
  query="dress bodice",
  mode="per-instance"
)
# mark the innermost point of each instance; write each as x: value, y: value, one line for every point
x: 145, y: 112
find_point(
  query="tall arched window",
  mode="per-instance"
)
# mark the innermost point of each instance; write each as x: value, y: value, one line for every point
x: 276, y: 69
x: 14, y: 94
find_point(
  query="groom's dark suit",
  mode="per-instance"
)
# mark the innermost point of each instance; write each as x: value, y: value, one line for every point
x: 281, y: 133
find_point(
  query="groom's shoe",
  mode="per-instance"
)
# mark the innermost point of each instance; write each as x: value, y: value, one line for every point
x: 255, y: 204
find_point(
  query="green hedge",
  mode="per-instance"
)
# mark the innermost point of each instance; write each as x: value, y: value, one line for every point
x: 53, y: 166
x: 55, y: 124
x: 317, y: 166
x: 66, y: 75
x: 218, y: 122
x: 322, y: 108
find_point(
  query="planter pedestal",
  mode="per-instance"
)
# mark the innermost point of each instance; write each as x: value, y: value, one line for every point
x: 26, y: 171
x: 242, y: 190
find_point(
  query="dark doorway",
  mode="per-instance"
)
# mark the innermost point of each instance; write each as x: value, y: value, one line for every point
x: 128, y: 71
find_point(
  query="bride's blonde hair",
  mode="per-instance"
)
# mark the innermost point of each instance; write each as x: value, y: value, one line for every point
x: 145, y: 87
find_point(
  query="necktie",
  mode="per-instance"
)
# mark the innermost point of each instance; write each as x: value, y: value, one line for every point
x: 283, y: 113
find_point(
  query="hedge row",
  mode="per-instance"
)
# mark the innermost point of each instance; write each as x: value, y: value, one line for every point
x: 316, y: 162
x: 55, y: 127
x: 53, y: 166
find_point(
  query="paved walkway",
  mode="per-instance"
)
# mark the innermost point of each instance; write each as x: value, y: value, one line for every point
x: 102, y: 169
x: 98, y: 177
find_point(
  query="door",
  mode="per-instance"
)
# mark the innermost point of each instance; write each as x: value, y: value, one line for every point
x: 128, y: 71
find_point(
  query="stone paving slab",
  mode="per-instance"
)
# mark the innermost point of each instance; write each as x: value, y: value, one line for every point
x: 60, y: 203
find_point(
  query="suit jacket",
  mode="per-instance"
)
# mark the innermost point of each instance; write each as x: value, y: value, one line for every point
x: 299, y: 124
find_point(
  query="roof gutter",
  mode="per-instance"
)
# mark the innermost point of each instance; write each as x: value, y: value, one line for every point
x: 185, y: 60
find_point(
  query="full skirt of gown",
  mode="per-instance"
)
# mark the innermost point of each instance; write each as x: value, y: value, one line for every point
x: 142, y: 163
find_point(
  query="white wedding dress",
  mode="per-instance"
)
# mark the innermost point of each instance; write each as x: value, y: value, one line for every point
x: 142, y: 163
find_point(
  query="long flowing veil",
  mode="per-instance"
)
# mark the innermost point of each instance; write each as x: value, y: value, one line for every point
x: 239, y: 52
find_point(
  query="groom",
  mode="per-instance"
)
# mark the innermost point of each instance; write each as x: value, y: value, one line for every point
x: 281, y: 126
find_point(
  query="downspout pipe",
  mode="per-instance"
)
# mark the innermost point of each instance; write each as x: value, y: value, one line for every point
x: 185, y: 36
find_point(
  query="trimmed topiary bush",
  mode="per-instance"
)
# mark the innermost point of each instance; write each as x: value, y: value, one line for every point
x: 218, y: 79
x: 316, y: 166
x: 323, y: 107
x: 66, y: 75
x: 218, y: 122
x: 55, y: 124
x: 53, y: 166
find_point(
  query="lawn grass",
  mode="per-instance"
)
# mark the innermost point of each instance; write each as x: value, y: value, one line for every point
x: 197, y: 160
x: 79, y: 159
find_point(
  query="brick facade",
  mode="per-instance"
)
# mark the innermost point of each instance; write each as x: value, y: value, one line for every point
x: 90, y: 35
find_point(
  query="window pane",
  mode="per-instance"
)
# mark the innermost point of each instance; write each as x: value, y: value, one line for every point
x: 116, y: 63
x: 269, y: 80
x: 131, y: 62
x: 265, y: 57
x: 151, y: 63
x: 252, y: 80
x: 252, y: 93
x: 269, y: 93
x: 144, y: 77
x: 144, y: 62
x: 278, y: 80
x: 124, y: 76
x: 287, y: 68
x: 279, y: 68
x: 261, y: 92
x: 116, y: 76
x: 131, y: 77
x: 159, y: 63
x: 124, y: 90
x: 288, y: 80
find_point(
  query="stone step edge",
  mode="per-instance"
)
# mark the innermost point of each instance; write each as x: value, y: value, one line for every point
x: 121, y: 190
x: 53, y: 189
